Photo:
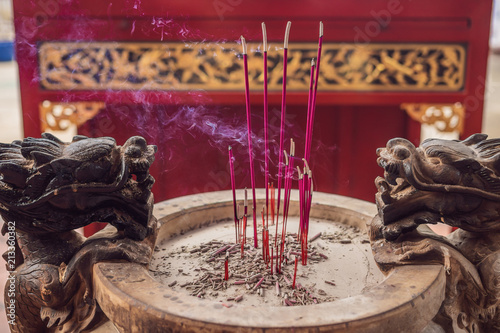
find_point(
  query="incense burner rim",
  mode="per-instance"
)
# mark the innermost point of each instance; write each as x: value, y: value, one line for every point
x: 129, y: 288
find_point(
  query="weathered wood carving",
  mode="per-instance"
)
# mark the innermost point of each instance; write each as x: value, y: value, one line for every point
x: 456, y: 183
x: 48, y: 188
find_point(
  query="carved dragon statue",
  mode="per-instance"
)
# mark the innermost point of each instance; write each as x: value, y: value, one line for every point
x: 48, y: 189
x: 456, y: 183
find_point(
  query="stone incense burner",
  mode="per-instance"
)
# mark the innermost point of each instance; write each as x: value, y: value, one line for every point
x: 61, y: 281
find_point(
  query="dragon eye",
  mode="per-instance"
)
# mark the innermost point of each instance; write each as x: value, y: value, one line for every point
x: 134, y: 151
x: 401, y: 152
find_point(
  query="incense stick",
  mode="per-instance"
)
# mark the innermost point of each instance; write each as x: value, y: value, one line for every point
x: 245, y: 212
x: 272, y: 202
x: 309, y: 110
x: 295, y: 272
x: 266, y: 142
x: 283, y: 115
x: 263, y: 234
x: 306, y: 199
x: 288, y: 189
x: 226, y: 267
x: 250, y: 154
x: 233, y: 186
x: 245, y: 203
x: 313, y: 110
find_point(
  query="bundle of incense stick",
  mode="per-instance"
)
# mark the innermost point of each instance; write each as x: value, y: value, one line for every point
x: 305, y: 199
x: 286, y: 168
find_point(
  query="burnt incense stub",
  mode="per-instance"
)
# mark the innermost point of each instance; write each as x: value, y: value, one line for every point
x: 48, y: 188
x: 451, y: 182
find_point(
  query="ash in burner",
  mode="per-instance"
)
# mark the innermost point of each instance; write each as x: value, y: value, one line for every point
x: 336, y: 258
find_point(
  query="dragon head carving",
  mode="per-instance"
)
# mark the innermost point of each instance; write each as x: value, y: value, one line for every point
x: 454, y: 182
x: 47, y: 185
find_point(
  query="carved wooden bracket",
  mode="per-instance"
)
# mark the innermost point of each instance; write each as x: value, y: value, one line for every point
x: 58, y: 116
x: 446, y: 117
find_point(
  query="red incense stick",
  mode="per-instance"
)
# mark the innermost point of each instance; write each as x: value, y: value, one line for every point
x: 244, y: 229
x: 306, y: 207
x: 288, y: 188
x: 304, y: 225
x: 309, y: 110
x: 272, y: 257
x: 266, y: 142
x: 242, y: 242
x: 286, y: 200
x: 285, y: 197
x: 295, y: 272
x: 250, y: 154
x: 226, y: 267
x: 233, y: 186
x: 263, y: 234
x: 311, y: 120
x: 283, y: 115
x: 272, y: 202
x: 267, y: 245
x: 301, y: 203
x: 245, y: 203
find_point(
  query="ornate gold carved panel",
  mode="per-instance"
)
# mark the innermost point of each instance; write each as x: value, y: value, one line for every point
x: 446, y: 117
x: 211, y: 66
x: 58, y: 116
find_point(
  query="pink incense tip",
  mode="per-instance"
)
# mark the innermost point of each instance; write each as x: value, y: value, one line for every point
x: 243, y: 45
x: 287, y: 34
x: 321, y: 28
x: 306, y: 165
x: 264, y: 37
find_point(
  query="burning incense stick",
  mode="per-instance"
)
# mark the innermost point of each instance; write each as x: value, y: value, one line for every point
x: 301, y: 200
x: 266, y: 142
x: 285, y: 197
x: 226, y: 267
x: 295, y: 272
x: 283, y: 115
x: 311, y: 118
x: 243, y: 235
x: 250, y: 153
x: 267, y: 245
x: 263, y: 234
x: 245, y: 203
x: 272, y: 258
x: 305, y: 225
x: 244, y: 231
x: 305, y: 190
x: 309, y: 110
x: 288, y: 186
x: 272, y: 202
x: 233, y: 186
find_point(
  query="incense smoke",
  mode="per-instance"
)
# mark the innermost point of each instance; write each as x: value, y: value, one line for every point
x: 163, y: 117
